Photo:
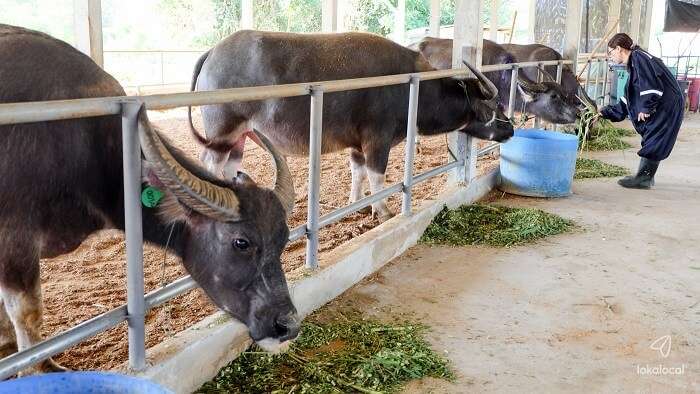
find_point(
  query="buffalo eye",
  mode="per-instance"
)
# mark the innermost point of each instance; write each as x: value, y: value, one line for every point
x: 241, y: 244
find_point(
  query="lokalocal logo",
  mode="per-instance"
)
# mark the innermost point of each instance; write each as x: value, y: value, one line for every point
x: 663, y: 346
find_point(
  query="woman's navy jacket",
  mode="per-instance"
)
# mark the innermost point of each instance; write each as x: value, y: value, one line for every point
x: 650, y: 89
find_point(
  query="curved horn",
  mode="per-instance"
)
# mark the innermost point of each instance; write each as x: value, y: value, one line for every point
x: 583, y: 97
x: 487, y: 87
x: 202, y: 196
x: 546, y: 74
x: 284, y: 185
x: 527, y: 84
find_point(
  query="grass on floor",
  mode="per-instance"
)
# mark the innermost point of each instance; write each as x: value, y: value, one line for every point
x: 592, y: 168
x: 352, y: 354
x: 603, y: 136
x: 482, y: 224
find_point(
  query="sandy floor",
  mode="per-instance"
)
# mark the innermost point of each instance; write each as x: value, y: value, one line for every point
x: 91, y: 280
x: 574, y: 313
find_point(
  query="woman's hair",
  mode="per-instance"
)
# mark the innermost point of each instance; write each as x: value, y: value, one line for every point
x: 623, y: 41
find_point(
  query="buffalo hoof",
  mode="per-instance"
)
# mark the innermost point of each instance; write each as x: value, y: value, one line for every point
x: 382, y: 216
x: 365, y: 210
x: 45, y: 366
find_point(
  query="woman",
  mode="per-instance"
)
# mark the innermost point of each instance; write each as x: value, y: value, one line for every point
x: 654, y: 103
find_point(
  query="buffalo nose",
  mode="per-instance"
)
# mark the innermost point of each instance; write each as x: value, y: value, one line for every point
x: 287, y: 327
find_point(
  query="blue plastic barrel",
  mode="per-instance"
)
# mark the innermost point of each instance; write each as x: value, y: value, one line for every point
x: 538, y: 163
x: 81, y: 383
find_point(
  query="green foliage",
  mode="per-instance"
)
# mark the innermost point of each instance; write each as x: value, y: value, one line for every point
x: 352, y: 354
x: 591, y: 168
x: 481, y: 224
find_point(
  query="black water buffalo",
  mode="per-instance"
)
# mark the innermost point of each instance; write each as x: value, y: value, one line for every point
x: 368, y: 121
x: 542, y: 53
x: 62, y: 180
x: 546, y: 99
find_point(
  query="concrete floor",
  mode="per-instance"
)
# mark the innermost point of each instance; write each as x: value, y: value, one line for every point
x: 572, y: 313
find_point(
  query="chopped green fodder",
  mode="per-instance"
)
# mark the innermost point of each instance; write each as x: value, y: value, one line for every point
x: 346, y: 355
x: 596, y: 134
x: 493, y: 225
x: 591, y: 168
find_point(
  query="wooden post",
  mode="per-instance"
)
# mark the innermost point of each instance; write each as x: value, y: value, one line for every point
x: 247, y: 17
x: 87, y: 23
x: 572, y: 36
x: 435, y: 18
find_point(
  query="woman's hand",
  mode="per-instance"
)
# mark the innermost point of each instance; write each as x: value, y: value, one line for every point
x: 642, y: 117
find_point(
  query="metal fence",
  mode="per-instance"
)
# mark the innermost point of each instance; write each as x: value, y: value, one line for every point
x: 683, y: 67
x: 138, y: 303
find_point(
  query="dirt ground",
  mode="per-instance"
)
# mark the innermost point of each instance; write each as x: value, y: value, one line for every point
x: 580, y: 312
x: 92, y: 279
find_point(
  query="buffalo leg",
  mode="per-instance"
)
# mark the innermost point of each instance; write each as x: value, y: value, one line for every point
x: 359, y: 173
x: 377, y: 159
x: 8, y: 343
x: 21, y: 293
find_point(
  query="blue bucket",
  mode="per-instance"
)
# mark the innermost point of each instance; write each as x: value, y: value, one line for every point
x: 81, y: 383
x: 538, y: 163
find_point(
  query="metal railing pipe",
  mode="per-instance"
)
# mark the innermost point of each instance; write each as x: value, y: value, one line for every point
x: 340, y: 213
x: 136, y: 304
x: 513, y: 92
x: 437, y: 171
x: 411, y: 129
x: 315, y: 137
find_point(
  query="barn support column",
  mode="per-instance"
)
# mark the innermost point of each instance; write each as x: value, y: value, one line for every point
x: 636, y: 20
x: 572, y: 36
x: 434, y: 18
x: 493, y: 29
x: 532, y: 20
x: 87, y: 24
x: 645, y: 34
x: 400, y: 22
x: 247, y: 17
x: 467, y: 45
x: 329, y: 16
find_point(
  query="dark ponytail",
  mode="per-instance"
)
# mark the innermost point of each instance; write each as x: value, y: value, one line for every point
x: 623, y: 41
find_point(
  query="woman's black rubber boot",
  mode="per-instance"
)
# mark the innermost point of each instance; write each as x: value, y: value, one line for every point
x: 644, y: 178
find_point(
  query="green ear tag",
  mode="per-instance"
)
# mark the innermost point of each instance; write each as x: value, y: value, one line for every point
x: 150, y: 197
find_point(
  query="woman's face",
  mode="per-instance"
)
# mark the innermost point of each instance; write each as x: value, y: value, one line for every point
x: 616, y: 55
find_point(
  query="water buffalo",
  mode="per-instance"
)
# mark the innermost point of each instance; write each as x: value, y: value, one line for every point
x: 368, y: 121
x: 541, y: 53
x: 62, y: 180
x: 546, y: 100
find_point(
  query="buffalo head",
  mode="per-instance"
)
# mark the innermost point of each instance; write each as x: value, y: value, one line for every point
x: 547, y: 99
x: 232, y: 235
x: 488, y: 120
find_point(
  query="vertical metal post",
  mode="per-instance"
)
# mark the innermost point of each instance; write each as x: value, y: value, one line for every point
x: 411, y: 129
x: 606, y: 75
x: 315, y: 135
x: 597, y: 82
x: 538, y: 80
x: 588, y: 77
x: 136, y: 304
x: 513, y: 91
x: 560, y: 68
x: 162, y: 68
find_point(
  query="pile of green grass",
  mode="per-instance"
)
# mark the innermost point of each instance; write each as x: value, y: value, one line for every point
x: 352, y: 354
x: 493, y: 225
x: 604, y: 136
x: 591, y: 168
